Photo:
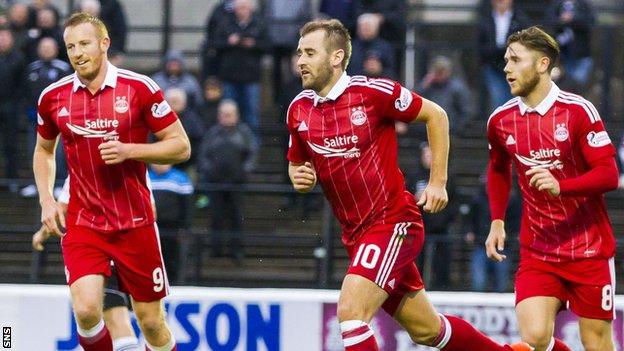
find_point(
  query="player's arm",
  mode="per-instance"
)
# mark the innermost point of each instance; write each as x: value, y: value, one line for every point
x: 302, y: 175
x: 172, y: 147
x: 435, y: 197
x: 498, y: 190
x: 44, y: 167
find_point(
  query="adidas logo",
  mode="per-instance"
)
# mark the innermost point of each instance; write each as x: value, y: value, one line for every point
x: 391, y: 283
x: 302, y: 127
x: 510, y: 140
x: 63, y: 112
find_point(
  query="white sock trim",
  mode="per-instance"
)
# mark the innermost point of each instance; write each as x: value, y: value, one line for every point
x: 447, y: 333
x: 551, y: 344
x: 166, y: 347
x: 347, y: 326
x: 126, y: 343
x: 93, y: 331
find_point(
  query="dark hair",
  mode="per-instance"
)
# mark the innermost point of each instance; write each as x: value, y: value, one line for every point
x: 535, y: 38
x: 337, y: 34
x: 79, y: 18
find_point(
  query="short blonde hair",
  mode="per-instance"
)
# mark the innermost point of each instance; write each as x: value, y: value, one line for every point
x: 535, y: 38
x: 79, y: 18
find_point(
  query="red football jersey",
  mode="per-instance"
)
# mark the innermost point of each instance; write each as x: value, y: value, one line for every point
x: 563, y: 133
x: 127, y: 107
x: 350, y: 138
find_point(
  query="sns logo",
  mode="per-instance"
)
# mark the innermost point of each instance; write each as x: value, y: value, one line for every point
x: 96, y: 129
x: 542, y: 158
x: 337, y: 147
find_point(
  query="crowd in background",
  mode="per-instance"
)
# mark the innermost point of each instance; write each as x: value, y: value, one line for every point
x: 219, y: 106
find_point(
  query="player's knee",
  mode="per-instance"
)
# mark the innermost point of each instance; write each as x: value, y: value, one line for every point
x: 87, y: 314
x: 152, y: 325
x: 347, y: 311
x: 536, y: 337
x: 425, y: 335
x: 594, y: 341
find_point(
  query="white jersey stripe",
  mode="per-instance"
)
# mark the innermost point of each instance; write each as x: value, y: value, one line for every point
x: 162, y: 260
x: 358, y: 338
x: 301, y: 95
x: 65, y: 80
x: 509, y: 104
x: 140, y: 77
x: 386, y: 254
x: 400, y: 237
x: 613, y: 282
x: 373, y: 86
x: 589, y: 108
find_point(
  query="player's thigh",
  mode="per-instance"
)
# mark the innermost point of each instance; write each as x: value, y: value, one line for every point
x: 536, y: 318
x: 418, y: 316
x: 87, y: 294
x: 596, y: 334
x: 360, y: 298
x: 139, y: 265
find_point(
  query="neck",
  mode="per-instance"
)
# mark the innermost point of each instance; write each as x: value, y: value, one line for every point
x: 96, y: 83
x: 540, y: 92
x: 335, y: 77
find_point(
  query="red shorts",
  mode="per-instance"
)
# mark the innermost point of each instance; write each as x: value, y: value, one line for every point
x: 385, y: 254
x: 135, y: 253
x: 587, y: 286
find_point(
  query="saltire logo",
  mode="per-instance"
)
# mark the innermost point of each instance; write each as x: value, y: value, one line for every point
x: 332, y: 152
x: 535, y: 163
x: 93, y: 133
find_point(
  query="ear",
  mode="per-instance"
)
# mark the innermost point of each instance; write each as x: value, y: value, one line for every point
x: 542, y: 64
x: 104, y: 44
x: 337, y: 57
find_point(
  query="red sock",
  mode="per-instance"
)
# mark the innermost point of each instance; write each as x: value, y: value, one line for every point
x: 560, y: 346
x: 358, y: 336
x: 174, y: 348
x: 458, y: 335
x: 101, y: 341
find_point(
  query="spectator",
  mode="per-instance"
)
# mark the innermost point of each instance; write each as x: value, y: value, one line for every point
x: 564, y: 81
x: 112, y: 14
x: 476, y: 223
x: 369, y: 45
x: 12, y: 67
x: 19, y: 22
x: 39, y: 74
x: 441, y: 86
x: 174, y: 75
x: 343, y: 10
x: 191, y: 122
x: 213, y: 94
x: 226, y: 156
x: 283, y: 19
x: 241, y: 41
x: 495, y: 26
x: 172, y: 190
x: 391, y: 15
x: 436, y: 224
x: 209, y: 50
x: 47, y: 27
x: 572, y: 20
x: 38, y: 5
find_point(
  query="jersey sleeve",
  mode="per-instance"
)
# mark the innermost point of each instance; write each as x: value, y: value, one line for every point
x: 296, y: 148
x: 396, y: 101
x: 46, y: 127
x: 591, y: 137
x: 157, y: 113
x: 498, y: 176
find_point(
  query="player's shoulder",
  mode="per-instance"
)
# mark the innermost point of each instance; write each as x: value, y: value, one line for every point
x: 578, y: 104
x: 372, y: 85
x: 137, y: 80
x: 503, y: 110
x: 63, y: 83
x: 306, y: 96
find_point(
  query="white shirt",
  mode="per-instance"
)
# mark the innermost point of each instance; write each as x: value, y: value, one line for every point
x: 502, y: 23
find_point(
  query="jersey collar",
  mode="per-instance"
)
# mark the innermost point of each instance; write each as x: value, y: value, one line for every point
x: 335, y: 91
x: 543, y: 106
x: 110, y: 79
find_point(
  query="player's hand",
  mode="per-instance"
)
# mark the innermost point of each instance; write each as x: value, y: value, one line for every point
x: 495, y: 242
x: 53, y: 217
x: 39, y: 238
x: 543, y: 180
x: 114, y: 152
x: 304, y: 178
x: 434, y: 198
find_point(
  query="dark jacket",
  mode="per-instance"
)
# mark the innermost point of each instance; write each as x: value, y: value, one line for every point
x: 195, y: 129
x: 227, y: 155
x: 574, y: 37
x: 490, y: 53
x: 478, y: 218
x: 239, y: 64
x: 173, y: 196
x: 435, y: 223
x: 377, y: 47
x: 39, y: 75
x: 393, y: 27
x: 113, y: 16
x: 12, y: 66
x: 454, y: 97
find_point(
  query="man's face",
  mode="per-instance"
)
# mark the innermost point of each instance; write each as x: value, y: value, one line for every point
x: 86, y: 51
x: 521, y: 69
x: 174, y: 67
x: 6, y: 40
x: 228, y: 115
x: 314, y: 63
x: 47, y: 49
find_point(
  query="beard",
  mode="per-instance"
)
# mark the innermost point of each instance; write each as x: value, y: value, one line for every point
x: 319, y: 81
x: 528, y: 86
